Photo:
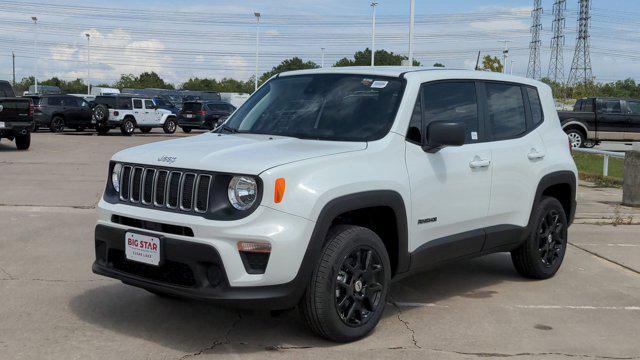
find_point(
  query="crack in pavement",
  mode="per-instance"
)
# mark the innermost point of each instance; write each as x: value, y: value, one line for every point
x: 534, y: 354
x: 6, y: 273
x: 225, y: 341
x: 605, y: 259
x: 405, y: 323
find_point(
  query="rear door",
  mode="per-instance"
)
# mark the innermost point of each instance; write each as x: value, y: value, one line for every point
x: 71, y: 110
x: 612, y: 122
x: 138, y: 111
x: 633, y: 110
x: 513, y: 113
x: 450, y: 189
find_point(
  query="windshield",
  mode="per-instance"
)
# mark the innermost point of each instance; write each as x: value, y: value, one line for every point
x: 340, y: 107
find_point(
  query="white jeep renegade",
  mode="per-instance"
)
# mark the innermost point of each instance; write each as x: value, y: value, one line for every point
x: 326, y: 185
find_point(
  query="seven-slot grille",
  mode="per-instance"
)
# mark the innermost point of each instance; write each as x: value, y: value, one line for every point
x: 172, y: 189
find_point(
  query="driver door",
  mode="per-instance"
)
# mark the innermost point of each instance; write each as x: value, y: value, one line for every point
x: 450, y: 189
x: 152, y: 115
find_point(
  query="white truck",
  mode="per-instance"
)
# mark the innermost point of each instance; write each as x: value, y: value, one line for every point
x: 128, y: 113
x: 328, y: 184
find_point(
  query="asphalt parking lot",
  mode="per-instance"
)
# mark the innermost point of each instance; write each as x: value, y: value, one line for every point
x: 53, y: 307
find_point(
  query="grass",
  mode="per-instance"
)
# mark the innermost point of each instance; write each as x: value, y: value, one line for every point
x: 590, y: 169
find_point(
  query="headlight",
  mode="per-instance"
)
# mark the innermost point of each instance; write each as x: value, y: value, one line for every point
x: 242, y: 192
x: 115, y: 177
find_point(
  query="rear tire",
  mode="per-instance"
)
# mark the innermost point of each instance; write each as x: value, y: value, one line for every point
x: 102, y: 130
x: 346, y: 296
x: 576, y: 138
x: 57, y: 124
x: 169, y: 126
x: 23, y: 141
x: 541, y: 255
x: 128, y: 127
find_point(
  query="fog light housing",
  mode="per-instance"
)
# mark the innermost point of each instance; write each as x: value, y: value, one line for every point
x: 255, y: 256
x: 214, y: 275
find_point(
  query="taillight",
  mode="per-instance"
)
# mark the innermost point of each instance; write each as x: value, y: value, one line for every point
x: 31, y: 110
x: 202, y: 112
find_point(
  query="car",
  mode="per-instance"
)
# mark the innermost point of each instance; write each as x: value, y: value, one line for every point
x: 58, y: 112
x: 163, y: 103
x: 328, y: 184
x: 16, y: 117
x: 203, y: 114
x: 128, y: 112
x: 597, y: 119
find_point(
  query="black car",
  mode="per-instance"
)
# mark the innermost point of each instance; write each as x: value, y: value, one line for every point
x: 58, y: 112
x: 16, y: 117
x: 203, y: 114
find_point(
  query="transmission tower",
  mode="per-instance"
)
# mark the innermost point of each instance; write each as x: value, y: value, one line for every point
x: 533, y: 70
x: 581, y: 71
x: 556, y: 64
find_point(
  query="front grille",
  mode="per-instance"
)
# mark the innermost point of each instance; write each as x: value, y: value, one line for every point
x: 160, y: 188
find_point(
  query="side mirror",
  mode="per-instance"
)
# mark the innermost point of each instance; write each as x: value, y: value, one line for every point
x: 441, y: 134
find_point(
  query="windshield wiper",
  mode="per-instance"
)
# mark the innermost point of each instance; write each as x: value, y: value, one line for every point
x: 227, y: 128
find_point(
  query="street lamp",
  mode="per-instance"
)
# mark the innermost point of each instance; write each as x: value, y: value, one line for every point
x: 88, y: 63
x: 257, y: 15
x: 322, y: 59
x: 373, y: 32
x: 35, y: 51
x: 411, y: 14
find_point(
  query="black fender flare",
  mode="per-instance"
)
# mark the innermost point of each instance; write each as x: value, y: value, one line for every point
x: 564, y: 177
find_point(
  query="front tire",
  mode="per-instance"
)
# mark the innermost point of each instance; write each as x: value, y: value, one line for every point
x: 186, y: 130
x: 576, y: 138
x: 541, y: 255
x: 170, y: 126
x: 346, y: 296
x: 128, y: 127
x: 23, y: 141
x: 57, y: 124
x: 102, y: 130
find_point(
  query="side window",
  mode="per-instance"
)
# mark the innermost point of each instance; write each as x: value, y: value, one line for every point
x: 137, y: 104
x: 536, y: 106
x: 611, y: 107
x: 124, y: 103
x: 506, y: 110
x: 71, y: 101
x: 587, y: 105
x: 414, y: 134
x: 452, y: 101
x: 634, y: 107
x: 54, y: 101
x: 148, y: 104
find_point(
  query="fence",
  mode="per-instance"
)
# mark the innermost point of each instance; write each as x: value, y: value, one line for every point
x: 605, y: 154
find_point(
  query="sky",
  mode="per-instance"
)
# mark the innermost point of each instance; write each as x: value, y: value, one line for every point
x: 185, y: 39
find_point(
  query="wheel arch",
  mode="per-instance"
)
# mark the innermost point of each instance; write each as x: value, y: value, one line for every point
x: 560, y: 185
x: 573, y: 124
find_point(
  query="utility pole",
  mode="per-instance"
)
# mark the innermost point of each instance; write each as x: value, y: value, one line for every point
x: 13, y: 59
x: 581, y: 70
x: 556, y: 63
x: 411, y: 14
x: 257, y: 15
x: 35, y: 51
x: 373, y: 32
x: 478, y: 62
x: 322, y: 59
x: 505, y: 55
x: 511, y: 67
x: 533, y: 69
x: 88, y: 63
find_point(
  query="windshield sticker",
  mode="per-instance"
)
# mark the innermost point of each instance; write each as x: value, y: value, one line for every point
x: 367, y: 82
x: 474, y: 135
x: 379, y: 84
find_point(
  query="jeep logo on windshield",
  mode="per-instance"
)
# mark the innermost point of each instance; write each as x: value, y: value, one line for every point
x: 167, y: 159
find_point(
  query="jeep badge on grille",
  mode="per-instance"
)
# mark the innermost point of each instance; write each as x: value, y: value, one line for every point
x: 167, y: 159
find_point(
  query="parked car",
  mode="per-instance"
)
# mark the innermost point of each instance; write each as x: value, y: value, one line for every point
x: 327, y: 184
x: 162, y: 103
x: 16, y: 117
x: 601, y: 119
x: 128, y: 113
x: 203, y: 114
x: 58, y: 112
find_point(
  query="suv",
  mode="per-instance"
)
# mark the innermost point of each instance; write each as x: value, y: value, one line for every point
x: 129, y: 112
x: 328, y: 184
x: 203, y: 115
x: 58, y: 112
x: 16, y: 117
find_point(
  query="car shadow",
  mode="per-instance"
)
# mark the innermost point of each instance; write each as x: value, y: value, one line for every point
x: 190, y: 326
x: 6, y: 145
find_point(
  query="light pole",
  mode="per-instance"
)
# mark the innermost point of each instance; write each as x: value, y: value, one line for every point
x: 88, y: 63
x: 505, y: 55
x: 35, y: 51
x: 373, y: 32
x: 411, y: 14
x: 322, y: 59
x: 255, y: 75
x: 511, y: 67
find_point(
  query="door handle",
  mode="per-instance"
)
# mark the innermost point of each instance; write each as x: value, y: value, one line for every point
x: 534, y: 154
x: 479, y: 163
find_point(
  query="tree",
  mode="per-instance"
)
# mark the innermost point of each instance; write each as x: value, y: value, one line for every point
x: 294, y: 63
x: 144, y: 80
x: 438, y: 65
x: 492, y: 64
x: 224, y: 85
x: 382, y: 58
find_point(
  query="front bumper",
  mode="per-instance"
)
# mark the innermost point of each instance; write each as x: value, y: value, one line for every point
x: 188, y: 261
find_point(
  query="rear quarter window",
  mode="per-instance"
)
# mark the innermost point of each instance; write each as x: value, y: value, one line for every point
x: 536, y: 106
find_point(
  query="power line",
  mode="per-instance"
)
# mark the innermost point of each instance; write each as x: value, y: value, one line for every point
x: 556, y: 63
x: 581, y: 71
x: 533, y: 69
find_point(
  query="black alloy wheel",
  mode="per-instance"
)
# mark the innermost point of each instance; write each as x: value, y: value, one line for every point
x: 551, y: 239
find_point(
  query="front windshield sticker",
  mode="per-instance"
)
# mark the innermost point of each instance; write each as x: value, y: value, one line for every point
x: 379, y: 84
x: 367, y: 82
x: 474, y: 135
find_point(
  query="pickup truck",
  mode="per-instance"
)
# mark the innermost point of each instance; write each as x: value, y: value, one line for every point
x: 16, y: 117
x: 601, y: 119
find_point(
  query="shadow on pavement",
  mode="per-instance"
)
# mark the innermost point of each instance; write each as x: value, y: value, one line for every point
x: 190, y: 326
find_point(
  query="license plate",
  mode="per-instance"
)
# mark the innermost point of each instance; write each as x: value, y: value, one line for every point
x: 142, y: 248
x: 1, y: 124
x: 189, y: 116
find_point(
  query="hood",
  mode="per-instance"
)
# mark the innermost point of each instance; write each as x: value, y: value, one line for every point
x: 233, y: 153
